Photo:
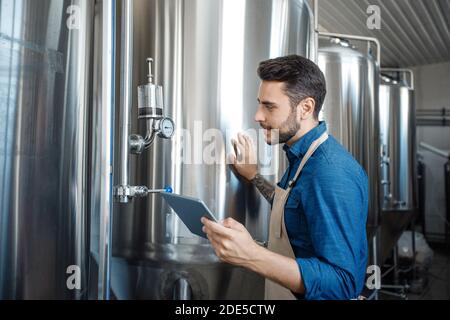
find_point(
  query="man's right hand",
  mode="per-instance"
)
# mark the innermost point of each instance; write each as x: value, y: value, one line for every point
x: 244, y: 159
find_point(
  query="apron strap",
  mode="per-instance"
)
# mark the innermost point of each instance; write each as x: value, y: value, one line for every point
x: 282, y: 195
x: 316, y: 144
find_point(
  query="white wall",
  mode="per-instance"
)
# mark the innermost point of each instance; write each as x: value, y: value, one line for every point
x: 433, y: 92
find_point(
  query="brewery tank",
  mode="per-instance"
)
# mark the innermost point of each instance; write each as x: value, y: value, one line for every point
x: 206, y: 54
x: 45, y: 80
x: 398, y: 151
x: 398, y: 147
x: 351, y: 109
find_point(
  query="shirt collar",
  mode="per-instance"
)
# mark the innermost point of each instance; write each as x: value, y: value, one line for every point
x: 300, y: 147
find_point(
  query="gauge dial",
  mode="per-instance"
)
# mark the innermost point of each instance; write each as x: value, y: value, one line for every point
x: 166, y: 128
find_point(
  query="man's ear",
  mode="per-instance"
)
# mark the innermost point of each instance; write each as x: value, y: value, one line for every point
x: 307, y: 107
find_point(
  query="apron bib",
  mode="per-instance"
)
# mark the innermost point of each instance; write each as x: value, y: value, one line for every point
x: 278, y: 237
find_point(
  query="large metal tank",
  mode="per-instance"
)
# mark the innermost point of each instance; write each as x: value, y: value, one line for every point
x: 398, y: 147
x: 45, y: 79
x: 351, y: 109
x: 206, y: 54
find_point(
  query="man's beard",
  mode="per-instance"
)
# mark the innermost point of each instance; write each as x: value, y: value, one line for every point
x: 288, y: 129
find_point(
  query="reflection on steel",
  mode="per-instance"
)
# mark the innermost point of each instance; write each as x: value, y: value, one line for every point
x: 182, y: 290
x: 126, y: 95
x: 105, y: 126
x: 207, y: 53
x: 45, y: 79
x: 350, y: 109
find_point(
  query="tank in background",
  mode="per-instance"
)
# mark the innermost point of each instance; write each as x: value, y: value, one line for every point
x: 351, y: 109
x: 399, y: 163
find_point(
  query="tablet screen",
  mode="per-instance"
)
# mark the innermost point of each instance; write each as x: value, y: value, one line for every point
x: 190, y: 210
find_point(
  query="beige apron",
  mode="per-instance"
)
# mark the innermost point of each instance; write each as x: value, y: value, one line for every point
x: 278, y: 238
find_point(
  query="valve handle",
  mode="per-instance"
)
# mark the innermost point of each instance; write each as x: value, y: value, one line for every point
x: 168, y: 189
x: 150, y: 74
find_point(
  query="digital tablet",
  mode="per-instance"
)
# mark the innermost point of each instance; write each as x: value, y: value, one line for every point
x: 190, y: 210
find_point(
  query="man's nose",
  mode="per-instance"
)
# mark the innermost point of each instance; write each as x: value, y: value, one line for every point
x: 259, y: 115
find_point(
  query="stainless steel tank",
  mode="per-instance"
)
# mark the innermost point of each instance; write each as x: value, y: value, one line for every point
x: 351, y: 109
x: 45, y: 79
x: 398, y: 147
x: 206, y: 55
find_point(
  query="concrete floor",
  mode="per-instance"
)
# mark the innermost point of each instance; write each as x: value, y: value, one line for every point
x: 438, y: 287
x: 438, y: 280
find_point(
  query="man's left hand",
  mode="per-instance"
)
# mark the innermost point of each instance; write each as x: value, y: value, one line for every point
x: 231, y: 241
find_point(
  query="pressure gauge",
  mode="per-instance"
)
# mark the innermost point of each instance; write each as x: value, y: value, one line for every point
x: 166, y: 128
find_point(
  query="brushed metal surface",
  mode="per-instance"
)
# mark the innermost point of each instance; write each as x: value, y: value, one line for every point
x: 45, y: 78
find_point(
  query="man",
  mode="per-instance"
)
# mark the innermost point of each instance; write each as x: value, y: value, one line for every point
x: 317, y: 240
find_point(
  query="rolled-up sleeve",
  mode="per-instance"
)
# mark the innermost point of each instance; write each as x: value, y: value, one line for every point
x: 335, y: 206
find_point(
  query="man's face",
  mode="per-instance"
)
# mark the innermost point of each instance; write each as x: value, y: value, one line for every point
x: 275, y: 114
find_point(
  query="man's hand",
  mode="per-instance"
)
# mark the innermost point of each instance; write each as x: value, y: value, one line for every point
x: 231, y: 242
x: 244, y: 159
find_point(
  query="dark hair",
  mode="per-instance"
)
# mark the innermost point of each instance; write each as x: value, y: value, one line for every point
x: 302, y: 77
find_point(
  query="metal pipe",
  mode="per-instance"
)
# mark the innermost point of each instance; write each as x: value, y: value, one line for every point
x: 126, y: 95
x: 151, y: 133
x: 339, y: 35
x: 442, y: 111
x: 316, y: 30
x: 447, y: 198
x: 432, y: 123
x: 421, y: 176
x: 433, y: 118
x: 375, y: 256
x: 399, y: 70
x: 106, y: 145
x: 434, y: 113
x: 439, y: 152
x: 359, y: 38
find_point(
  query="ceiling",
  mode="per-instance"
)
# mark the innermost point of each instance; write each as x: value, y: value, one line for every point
x: 413, y: 32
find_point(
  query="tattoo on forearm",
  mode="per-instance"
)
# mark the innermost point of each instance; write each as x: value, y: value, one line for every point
x: 266, y: 188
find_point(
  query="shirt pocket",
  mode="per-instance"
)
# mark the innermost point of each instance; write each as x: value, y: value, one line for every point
x: 293, y: 202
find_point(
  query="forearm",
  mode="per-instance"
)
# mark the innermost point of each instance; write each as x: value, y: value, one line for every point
x: 278, y: 268
x: 266, y: 188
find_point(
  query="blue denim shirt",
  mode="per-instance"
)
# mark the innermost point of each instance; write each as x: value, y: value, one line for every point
x: 325, y: 217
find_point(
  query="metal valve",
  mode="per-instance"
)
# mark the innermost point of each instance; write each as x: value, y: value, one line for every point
x: 150, y: 109
x: 138, y: 191
x: 150, y: 97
